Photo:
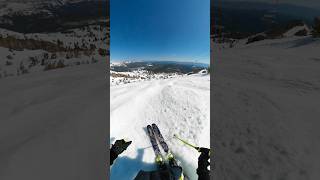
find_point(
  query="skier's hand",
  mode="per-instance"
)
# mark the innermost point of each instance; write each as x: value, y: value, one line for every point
x: 120, y: 145
x: 204, y: 151
x: 203, y: 160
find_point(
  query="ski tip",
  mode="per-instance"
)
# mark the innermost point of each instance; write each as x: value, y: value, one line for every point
x: 153, y: 124
x: 149, y: 128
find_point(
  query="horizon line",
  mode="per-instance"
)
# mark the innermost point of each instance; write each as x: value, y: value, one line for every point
x: 159, y: 60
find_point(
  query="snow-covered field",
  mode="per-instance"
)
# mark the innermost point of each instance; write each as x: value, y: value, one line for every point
x: 179, y: 105
x: 117, y: 78
x: 266, y: 110
x: 53, y: 124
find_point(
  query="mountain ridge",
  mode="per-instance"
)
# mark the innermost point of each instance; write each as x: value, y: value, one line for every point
x: 51, y: 16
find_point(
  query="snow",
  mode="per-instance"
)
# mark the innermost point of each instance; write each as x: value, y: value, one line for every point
x: 91, y: 34
x: 266, y: 110
x: 296, y: 29
x: 117, y: 78
x: 179, y: 105
x: 118, y: 64
x: 53, y: 121
x: 85, y: 37
x: 53, y: 124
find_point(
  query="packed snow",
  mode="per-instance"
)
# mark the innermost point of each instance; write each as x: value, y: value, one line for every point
x: 178, y: 105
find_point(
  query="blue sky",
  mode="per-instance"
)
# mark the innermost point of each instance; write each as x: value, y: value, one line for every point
x: 176, y: 30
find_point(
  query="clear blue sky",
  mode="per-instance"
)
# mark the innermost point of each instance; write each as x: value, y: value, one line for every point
x: 160, y: 30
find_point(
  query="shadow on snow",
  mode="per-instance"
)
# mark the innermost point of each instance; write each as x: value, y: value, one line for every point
x: 127, y: 168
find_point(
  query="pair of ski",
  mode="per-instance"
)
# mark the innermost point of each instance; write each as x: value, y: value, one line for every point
x: 154, y: 135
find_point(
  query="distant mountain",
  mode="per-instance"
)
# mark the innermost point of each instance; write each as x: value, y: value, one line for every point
x: 27, y: 7
x: 51, y: 15
x: 295, y: 11
x: 242, y: 19
x: 158, y: 66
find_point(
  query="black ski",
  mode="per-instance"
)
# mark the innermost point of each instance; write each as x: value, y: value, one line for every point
x: 160, y: 138
x: 164, y: 145
x: 155, y: 146
x: 156, y: 134
x: 153, y: 140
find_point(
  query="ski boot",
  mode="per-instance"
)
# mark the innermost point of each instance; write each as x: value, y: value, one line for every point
x: 160, y: 162
x: 172, y: 161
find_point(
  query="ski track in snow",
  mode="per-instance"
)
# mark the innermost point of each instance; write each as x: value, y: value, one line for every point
x: 178, y: 106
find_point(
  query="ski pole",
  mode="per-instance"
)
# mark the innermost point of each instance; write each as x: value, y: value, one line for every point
x: 186, y: 143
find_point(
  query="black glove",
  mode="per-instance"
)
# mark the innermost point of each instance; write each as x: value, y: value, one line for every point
x: 117, y: 148
x: 204, y: 157
x: 203, y: 163
x: 204, y: 151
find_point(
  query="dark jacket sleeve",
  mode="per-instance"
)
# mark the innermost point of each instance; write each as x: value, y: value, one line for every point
x: 203, y: 163
x: 161, y: 174
x: 113, y: 156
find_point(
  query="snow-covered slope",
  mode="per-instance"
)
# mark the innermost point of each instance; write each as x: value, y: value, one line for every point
x: 266, y: 110
x: 53, y: 124
x: 179, y: 105
x: 293, y: 31
x: 117, y: 78
x: 33, y: 52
